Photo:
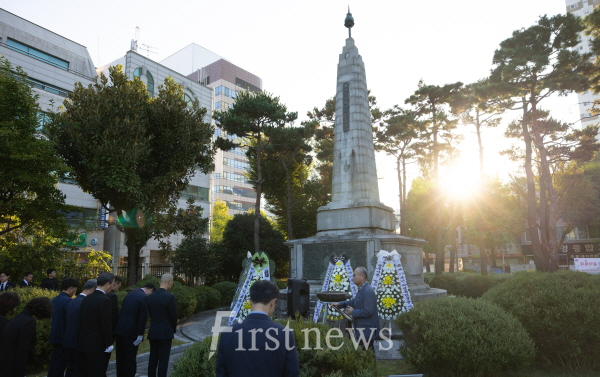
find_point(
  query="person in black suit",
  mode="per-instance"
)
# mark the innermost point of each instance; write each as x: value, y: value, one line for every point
x: 162, y: 309
x: 8, y: 302
x: 72, y: 332
x: 58, y: 360
x: 26, y: 282
x: 363, y: 309
x: 95, y: 329
x: 130, y: 329
x: 5, y: 285
x: 18, y: 339
x: 267, y: 348
x: 114, y: 304
x: 50, y: 282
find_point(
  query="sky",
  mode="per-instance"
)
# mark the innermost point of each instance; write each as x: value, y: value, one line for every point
x: 294, y: 46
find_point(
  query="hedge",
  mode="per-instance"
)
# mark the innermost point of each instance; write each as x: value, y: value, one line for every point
x: 207, y: 298
x: 560, y: 312
x: 227, y: 290
x: 467, y: 284
x: 457, y: 336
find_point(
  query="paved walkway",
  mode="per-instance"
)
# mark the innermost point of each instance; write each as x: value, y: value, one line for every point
x: 192, y: 329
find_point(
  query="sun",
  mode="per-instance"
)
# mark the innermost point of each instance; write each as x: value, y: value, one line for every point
x: 460, y: 179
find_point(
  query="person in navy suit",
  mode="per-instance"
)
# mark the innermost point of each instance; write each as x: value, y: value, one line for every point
x: 162, y: 309
x: 72, y: 332
x: 363, y: 309
x: 5, y: 285
x: 17, y: 346
x: 58, y: 361
x: 95, y: 329
x: 267, y: 348
x: 26, y: 282
x: 130, y: 329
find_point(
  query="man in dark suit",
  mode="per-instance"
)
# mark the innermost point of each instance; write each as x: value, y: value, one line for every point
x: 162, y: 309
x: 114, y: 304
x: 4, y: 283
x: 50, y: 282
x: 363, y: 309
x: 95, y: 329
x: 72, y: 332
x: 26, y: 282
x: 266, y: 349
x: 130, y: 329
x: 58, y: 361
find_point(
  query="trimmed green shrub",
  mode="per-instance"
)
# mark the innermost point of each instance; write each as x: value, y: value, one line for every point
x: 457, y: 336
x: 121, y: 296
x: 467, y: 284
x: 207, y: 298
x: 43, y: 348
x: 428, y: 276
x: 445, y: 281
x: 227, y: 290
x: 559, y: 311
x: 186, y: 299
x: 195, y: 362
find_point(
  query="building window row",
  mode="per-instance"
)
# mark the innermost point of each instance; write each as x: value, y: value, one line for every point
x: 237, y: 191
x: 223, y: 104
x: 235, y: 163
x: 232, y: 177
x: 225, y: 91
x: 37, y: 54
x: 196, y: 192
x: 239, y: 206
x: 47, y: 87
x: 238, y: 150
x: 246, y: 85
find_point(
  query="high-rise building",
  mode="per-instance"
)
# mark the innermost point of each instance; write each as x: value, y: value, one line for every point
x: 229, y: 179
x: 582, y: 8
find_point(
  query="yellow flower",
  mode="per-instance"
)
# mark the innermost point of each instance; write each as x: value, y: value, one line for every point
x: 388, y: 301
x: 247, y: 305
x: 387, y: 280
x: 338, y: 263
x: 337, y: 278
x: 389, y: 265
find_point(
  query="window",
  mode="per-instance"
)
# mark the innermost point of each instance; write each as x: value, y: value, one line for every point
x: 42, y: 120
x: 47, y: 87
x: 235, y: 177
x: 235, y: 163
x: 568, y: 236
x: 219, y: 90
x: 582, y: 232
x: 237, y: 191
x: 149, y: 80
x: 199, y: 193
x: 217, y: 132
x: 218, y: 104
x: 67, y: 178
x: 573, y: 6
x: 246, y: 85
x: 239, y: 206
x: 89, y: 217
x: 238, y: 150
x: 188, y: 100
x: 37, y: 54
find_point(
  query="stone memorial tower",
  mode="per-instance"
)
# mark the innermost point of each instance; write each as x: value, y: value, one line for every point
x: 355, y: 222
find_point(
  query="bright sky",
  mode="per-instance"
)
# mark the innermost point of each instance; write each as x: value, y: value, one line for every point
x: 294, y: 45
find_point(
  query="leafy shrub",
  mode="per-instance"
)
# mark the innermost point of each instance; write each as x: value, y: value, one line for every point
x: 195, y: 362
x: 456, y: 336
x: 560, y: 312
x: 121, y: 296
x: 207, y: 298
x: 467, y: 284
x: 281, y: 284
x: 186, y: 299
x: 445, y: 281
x: 43, y: 348
x: 227, y: 290
x: 428, y: 276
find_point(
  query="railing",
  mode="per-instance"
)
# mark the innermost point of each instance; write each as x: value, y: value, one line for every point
x: 154, y: 270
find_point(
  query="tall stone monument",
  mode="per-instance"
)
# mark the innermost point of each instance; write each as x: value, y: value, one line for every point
x: 355, y: 222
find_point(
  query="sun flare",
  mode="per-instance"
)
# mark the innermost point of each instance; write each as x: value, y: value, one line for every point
x: 460, y: 180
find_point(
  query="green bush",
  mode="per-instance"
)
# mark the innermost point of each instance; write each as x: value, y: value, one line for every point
x: 282, y: 284
x: 43, y: 348
x: 457, y: 336
x: 428, y: 276
x: 121, y: 296
x: 227, y: 290
x: 559, y: 311
x: 195, y: 362
x: 207, y: 298
x: 467, y: 284
x: 186, y: 299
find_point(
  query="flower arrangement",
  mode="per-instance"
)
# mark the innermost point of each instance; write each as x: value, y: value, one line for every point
x: 257, y: 268
x: 338, y: 278
x: 389, y: 284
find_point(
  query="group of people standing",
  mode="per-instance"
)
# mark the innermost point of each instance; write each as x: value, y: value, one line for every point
x: 50, y: 282
x: 86, y: 329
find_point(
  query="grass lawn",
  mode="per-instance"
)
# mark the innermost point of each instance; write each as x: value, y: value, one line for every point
x: 390, y: 367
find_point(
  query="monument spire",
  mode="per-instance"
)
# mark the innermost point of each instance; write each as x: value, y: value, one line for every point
x: 349, y: 22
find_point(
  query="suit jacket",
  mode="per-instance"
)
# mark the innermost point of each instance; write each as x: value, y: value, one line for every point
x: 72, y: 315
x: 51, y: 284
x: 364, y: 306
x: 95, y: 318
x: 134, y: 315
x: 114, y: 305
x: 278, y: 362
x: 162, y: 309
x: 3, y: 322
x: 9, y: 285
x: 17, y: 344
x: 59, y: 319
x: 24, y: 284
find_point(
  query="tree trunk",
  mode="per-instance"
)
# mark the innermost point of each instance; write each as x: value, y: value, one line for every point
x: 531, y: 194
x: 439, y: 249
x: 428, y: 262
x: 479, y: 216
x: 259, y: 181
x: 403, y: 215
x: 288, y: 181
x: 133, y: 255
x: 453, y: 252
x: 400, y: 193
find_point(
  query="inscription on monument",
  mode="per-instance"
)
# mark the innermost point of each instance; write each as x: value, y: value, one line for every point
x: 346, y: 100
x: 315, y: 257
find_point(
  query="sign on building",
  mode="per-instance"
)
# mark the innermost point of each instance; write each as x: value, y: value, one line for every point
x: 589, y: 265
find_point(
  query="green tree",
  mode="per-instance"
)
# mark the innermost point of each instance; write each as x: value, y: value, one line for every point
x: 133, y: 153
x: 252, y: 116
x: 531, y: 65
x: 431, y: 104
x: 220, y: 218
x: 397, y: 137
x: 238, y: 241
x: 194, y: 258
x: 30, y: 201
